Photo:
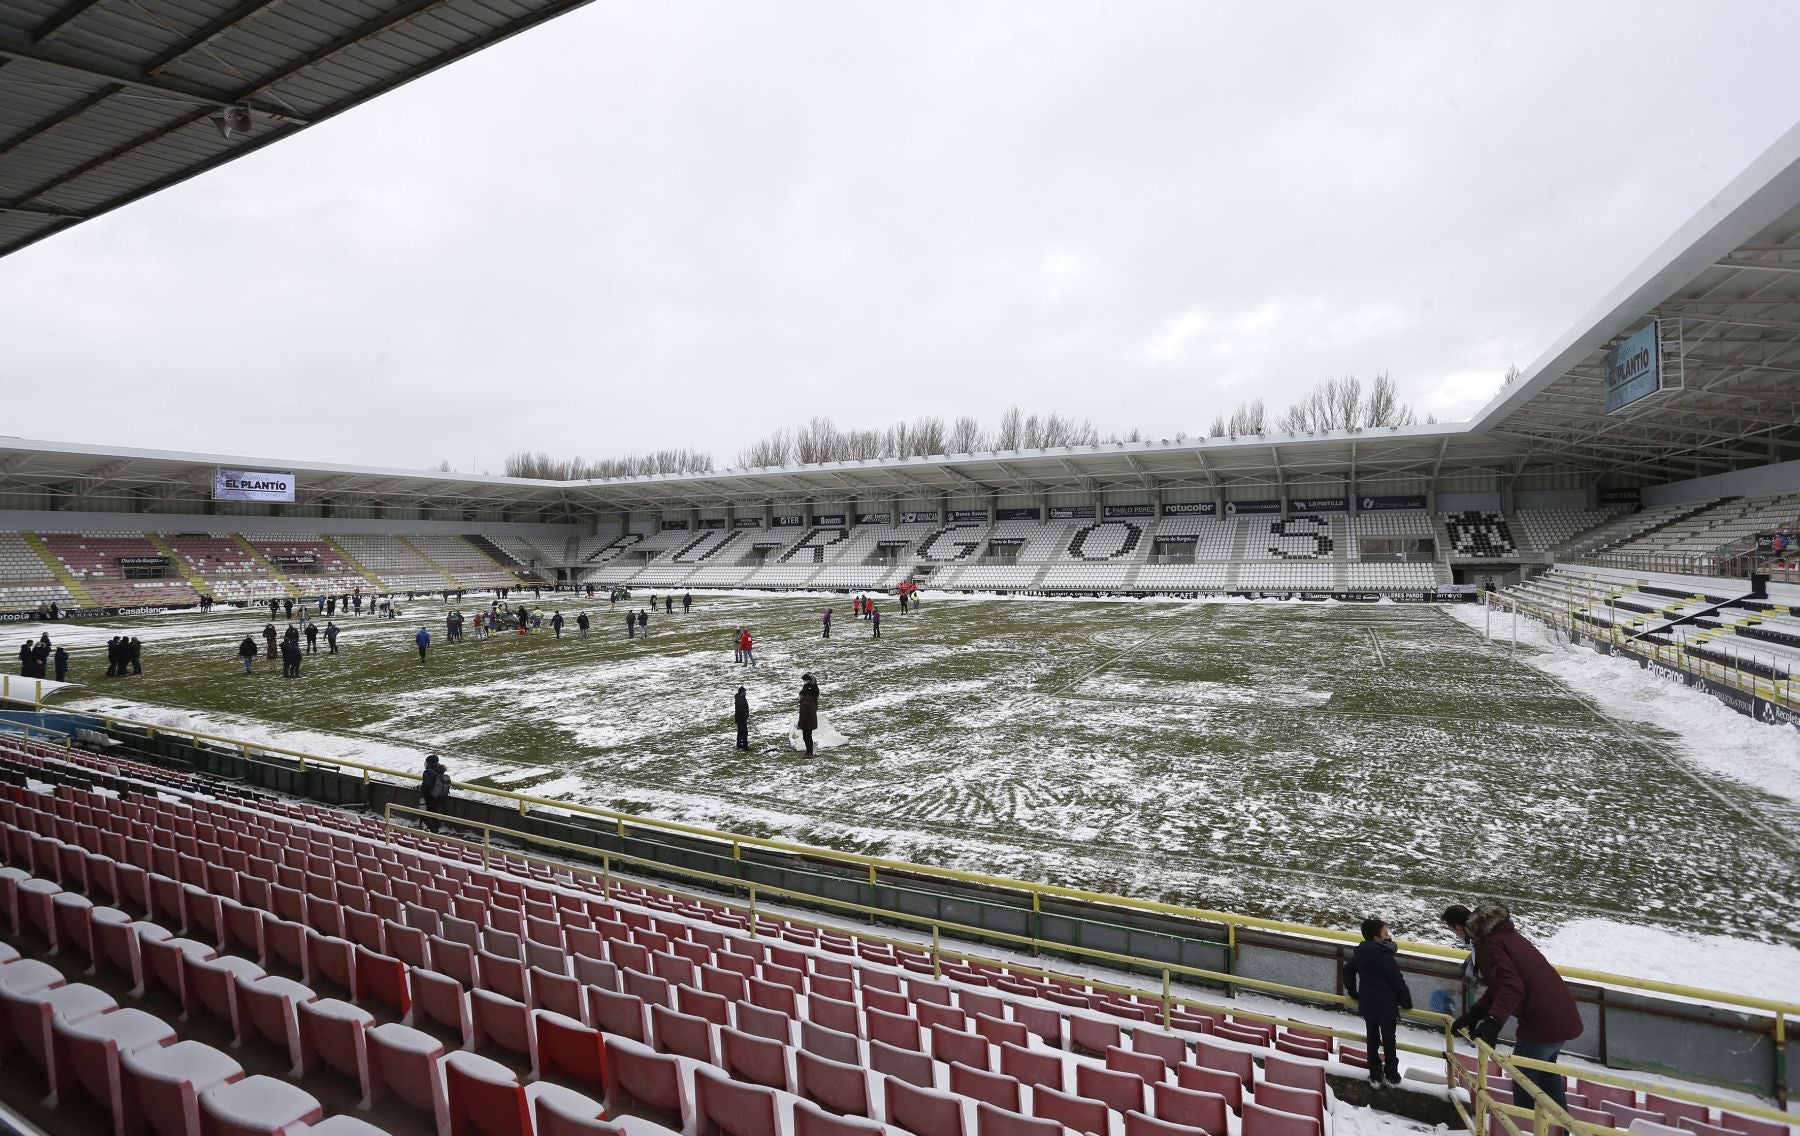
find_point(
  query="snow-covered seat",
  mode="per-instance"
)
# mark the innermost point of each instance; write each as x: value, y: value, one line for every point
x: 94, y: 1046
x: 163, y: 1083
x: 257, y: 1106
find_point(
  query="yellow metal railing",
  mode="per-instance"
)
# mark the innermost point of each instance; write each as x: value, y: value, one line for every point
x: 1546, y: 1114
x: 1038, y: 892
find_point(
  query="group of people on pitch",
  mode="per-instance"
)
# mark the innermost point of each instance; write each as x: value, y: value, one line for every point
x: 1519, y: 983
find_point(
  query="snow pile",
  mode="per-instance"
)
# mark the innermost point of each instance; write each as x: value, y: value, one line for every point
x: 1712, y: 734
x: 1761, y: 970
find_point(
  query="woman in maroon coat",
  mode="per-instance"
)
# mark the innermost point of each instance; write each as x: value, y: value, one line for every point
x: 1522, y: 984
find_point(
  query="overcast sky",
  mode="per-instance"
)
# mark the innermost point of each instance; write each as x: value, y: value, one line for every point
x: 651, y: 225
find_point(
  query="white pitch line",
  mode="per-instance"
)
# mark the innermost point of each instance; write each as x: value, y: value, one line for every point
x: 1380, y: 655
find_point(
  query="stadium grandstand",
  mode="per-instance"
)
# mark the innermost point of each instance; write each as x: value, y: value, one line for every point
x: 207, y: 933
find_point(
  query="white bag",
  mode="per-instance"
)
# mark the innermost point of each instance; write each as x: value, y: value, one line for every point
x: 824, y: 736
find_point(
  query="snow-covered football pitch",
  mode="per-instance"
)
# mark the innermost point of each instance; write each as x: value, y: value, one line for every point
x: 1302, y: 761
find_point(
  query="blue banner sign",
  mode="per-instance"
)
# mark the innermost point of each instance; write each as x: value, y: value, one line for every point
x: 1633, y: 369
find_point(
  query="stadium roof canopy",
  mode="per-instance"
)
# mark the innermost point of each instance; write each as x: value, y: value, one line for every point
x: 103, y: 102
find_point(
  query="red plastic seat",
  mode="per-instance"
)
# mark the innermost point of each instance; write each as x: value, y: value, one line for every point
x: 997, y: 1030
x: 1191, y: 1107
x: 1121, y: 1092
x: 162, y: 963
x: 724, y: 1107
x: 498, y: 1019
x: 979, y: 1084
x: 404, y: 1063
x: 682, y: 1034
x: 1045, y: 1023
x: 1296, y: 1074
x: 161, y: 1085
x: 1092, y: 1034
x: 1285, y: 1098
x: 485, y: 1097
x: 211, y: 984
x: 266, y: 1008
x: 617, y: 1015
x: 331, y: 1033
x: 1260, y: 1121
x: 1216, y: 1081
x: 991, y: 1121
x: 756, y: 1060
x: 921, y: 1111
x: 556, y: 992
x: 590, y: 971
x: 1168, y: 1046
x: 87, y: 1054
x: 257, y: 1106
x: 563, y: 1112
x: 1032, y: 1066
x: 1140, y: 1124
x: 331, y: 958
x: 971, y: 1049
x: 833, y: 1014
x: 893, y: 1029
x: 810, y: 1120
x: 758, y: 1022
x: 908, y: 1065
x: 1075, y: 1112
x: 830, y: 1043
x: 439, y: 1001
x: 29, y: 1014
x: 839, y: 1086
x: 569, y: 1049
x: 1148, y: 1067
x: 772, y: 996
x: 1210, y: 1055
x: 653, y: 990
x: 637, y: 1075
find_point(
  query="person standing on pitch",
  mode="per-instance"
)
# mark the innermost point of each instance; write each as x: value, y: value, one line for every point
x: 423, y: 639
x: 827, y: 634
x: 62, y: 660
x: 737, y: 646
x: 269, y: 636
x: 331, y: 634
x: 809, y: 711
x: 668, y: 605
x: 687, y: 602
x: 312, y: 637
x: 631, y: 625
x: 556, y: 624
x: 747, y: 647
x: 740, y: 709
x: 582, y: 623
x: 247, y: 652
x: 875, y: 619
x: 643, y: 624
x: 1373, y: 978
x: 1521, y: 982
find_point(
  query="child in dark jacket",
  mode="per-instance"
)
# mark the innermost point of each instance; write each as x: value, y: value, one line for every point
x: 1373, y: 978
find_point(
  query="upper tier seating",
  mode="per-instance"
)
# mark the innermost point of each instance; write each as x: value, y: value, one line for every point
x: 328, y: 571
x: 1479, y: 535
x: 230, y: 571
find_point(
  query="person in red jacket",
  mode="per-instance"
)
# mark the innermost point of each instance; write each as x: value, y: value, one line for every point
x: 1522, y: 984
x: 747, y: 648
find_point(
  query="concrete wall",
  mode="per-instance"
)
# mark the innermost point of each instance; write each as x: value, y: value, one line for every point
x: 1783, y: 477
x: 1550, y: 499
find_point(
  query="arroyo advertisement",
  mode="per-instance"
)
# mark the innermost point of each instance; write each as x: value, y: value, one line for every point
x: 245, y: 485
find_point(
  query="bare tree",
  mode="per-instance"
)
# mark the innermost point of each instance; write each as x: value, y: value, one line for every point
x: 1511, y: 376
x: 817, y: 441
x: 928, y: 436
x: 1011, y: 434
x: 1384, y: 408
x: 775, y: 449
x: 967, y: 436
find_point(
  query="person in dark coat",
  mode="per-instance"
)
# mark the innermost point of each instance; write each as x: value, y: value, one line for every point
x: 631, y: 625
x: 135, y: 655
x: 25, y: 659
x: 875, y: 620
x: 247, y: 652
x: 1373, y: 978
x: 740, y: 709
x: 643, y: 623
x: 556, y: 624
x: 687, y: 602
x: 290, y: 658
x: 809, y: 710
x: 312, y: 638
x: 62, y: 664
x: 583, y: 623
x: 331, y: 634
x: 668, y: 605
x: 827, y: 634
x: 434, y: 790
x: 1521, y: 984
x: 287, y: 606
x: 269, y: 637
